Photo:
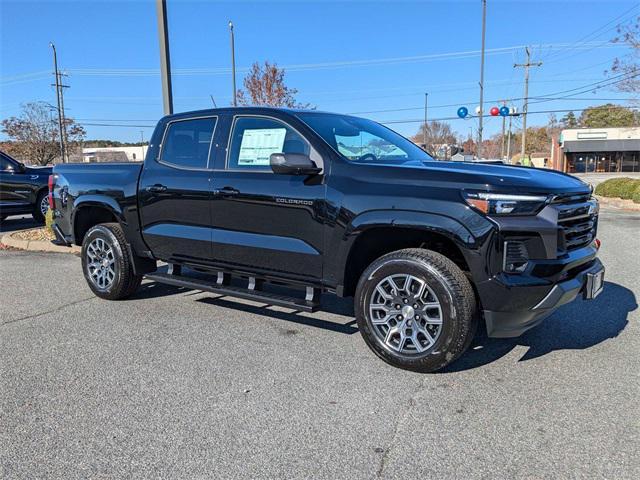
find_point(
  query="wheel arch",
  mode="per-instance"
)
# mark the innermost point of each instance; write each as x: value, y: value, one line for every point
x: 92, y: 210
x: 378, y: 233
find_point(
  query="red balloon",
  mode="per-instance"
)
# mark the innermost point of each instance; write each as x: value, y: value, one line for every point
x: 495, y: 111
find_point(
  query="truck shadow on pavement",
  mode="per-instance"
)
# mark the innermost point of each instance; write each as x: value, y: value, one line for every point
x: 335, y: 306
x: 578, y: 325
x: 12, y: 224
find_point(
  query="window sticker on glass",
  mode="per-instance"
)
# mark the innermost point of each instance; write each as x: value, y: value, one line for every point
x: 258, y: 145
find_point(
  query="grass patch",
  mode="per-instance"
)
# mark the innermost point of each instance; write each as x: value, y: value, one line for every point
x: 626, y: 188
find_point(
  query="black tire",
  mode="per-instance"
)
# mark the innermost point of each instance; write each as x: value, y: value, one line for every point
x: 38, y: 216
x: 450, y: 287
x: 124, y: 282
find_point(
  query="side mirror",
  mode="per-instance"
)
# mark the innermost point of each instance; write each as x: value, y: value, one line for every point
x: 21, y: 167
x: 293, y: 164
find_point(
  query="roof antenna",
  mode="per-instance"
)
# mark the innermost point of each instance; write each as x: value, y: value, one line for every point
x: 214, y: 102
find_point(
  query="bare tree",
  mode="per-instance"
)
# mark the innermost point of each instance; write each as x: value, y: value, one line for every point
x: 264, y: 85
x: 34, y: 134
x: 628, y: 66
x: 438, y: 134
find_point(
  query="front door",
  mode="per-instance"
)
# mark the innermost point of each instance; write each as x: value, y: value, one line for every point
x: 175, y: 192
x: 263, y: 221
x: 15, y: 190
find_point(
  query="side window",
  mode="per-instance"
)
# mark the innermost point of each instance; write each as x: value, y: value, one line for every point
x: 254, y: 139
x: 187, y: 142
x: 5, y: 164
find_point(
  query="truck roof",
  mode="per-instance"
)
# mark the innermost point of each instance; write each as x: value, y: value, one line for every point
x: 252, y: 109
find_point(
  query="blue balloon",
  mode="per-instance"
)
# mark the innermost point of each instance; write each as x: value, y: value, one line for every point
x: 504, y: 111
x: 463, y: 112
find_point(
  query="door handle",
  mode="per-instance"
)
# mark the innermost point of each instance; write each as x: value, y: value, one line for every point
x: 227, y: 192
x: 157, y: 188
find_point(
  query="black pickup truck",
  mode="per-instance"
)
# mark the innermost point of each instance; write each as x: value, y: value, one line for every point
x: 23, y: 189
x: 258, y: 202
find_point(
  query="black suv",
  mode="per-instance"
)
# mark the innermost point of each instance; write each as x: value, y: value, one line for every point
x: 23, y: 189
x: 332, y: 203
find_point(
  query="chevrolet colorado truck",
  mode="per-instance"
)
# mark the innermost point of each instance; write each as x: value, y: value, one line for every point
x: 23, y: 189
x: 279, y: 206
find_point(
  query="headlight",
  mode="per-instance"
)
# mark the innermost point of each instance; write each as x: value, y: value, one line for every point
x: 505, y: 204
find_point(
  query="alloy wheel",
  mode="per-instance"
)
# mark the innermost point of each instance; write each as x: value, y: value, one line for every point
x: 44, y: 205
x: 101, y: 265
x: 405, y: 314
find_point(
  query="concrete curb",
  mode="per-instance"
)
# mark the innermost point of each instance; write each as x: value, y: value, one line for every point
x: 10, y: 240
x: 619, y: 203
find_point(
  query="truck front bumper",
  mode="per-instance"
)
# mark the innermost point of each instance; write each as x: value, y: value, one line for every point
x: 525, y: 310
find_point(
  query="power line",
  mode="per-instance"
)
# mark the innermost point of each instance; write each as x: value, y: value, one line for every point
x: 390, y: 122
x: 115, y: 125
x: 596, y: 86
x: 594, y: 32
x: 457, y: 104
x: 323, y: 65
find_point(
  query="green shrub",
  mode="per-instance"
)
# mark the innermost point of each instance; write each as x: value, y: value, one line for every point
x: 627, y: 188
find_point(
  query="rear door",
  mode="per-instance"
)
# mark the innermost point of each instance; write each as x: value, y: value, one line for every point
x: 174, y: 192
x: 263, y: 221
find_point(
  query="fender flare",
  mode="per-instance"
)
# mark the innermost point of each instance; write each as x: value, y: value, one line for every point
x: 101, y: 201
x: 434, y: 222
x: 428, y: 222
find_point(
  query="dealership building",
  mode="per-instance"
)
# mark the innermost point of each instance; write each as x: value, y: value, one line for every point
x: 597, y: 150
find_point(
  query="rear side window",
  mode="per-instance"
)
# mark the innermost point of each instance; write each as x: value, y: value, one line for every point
x: 187, y: 142
x: 5, y: 165
x: 254, y: 139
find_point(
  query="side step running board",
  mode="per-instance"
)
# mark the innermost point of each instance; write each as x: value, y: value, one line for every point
x: 310, y: 304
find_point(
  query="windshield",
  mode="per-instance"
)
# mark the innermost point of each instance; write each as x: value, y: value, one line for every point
x: 364, y: 141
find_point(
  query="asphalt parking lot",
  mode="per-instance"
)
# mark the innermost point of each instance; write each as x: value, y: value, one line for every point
x: 183, y: 384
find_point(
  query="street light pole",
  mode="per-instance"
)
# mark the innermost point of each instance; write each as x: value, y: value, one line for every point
x: 60, y: 123
x: 484, y: 23
x: 165, y: 64
x: 233, y: 64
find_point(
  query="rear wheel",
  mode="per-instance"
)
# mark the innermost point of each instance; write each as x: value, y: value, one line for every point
x: 107, y: 264
x: 41, y: 206
x: 416, y: 309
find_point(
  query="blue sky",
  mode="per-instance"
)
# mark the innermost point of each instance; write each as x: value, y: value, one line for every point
x: 348, y: 57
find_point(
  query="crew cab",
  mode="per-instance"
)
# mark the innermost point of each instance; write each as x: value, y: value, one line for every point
x: 279, y: 206
x: 23, y: 189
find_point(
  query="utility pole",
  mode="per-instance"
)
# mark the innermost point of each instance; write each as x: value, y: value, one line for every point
x: 509, y: 139
x: 233, y: 64
x: 58, y: 99
x: 504, y: 121
x: 424, y: 139
x: 484, y: 24
x: 165, y: 64
x: 64, y: 117
x: 142, y: 142
x: 526, y: 100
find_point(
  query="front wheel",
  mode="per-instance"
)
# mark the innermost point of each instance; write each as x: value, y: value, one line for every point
x: 415, y: 309
x: 107, y: 263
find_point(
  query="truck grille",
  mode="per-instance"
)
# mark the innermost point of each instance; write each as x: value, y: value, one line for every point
x: 578, y: 225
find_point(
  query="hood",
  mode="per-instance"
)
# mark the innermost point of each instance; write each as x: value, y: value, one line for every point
x: 490, y: 177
